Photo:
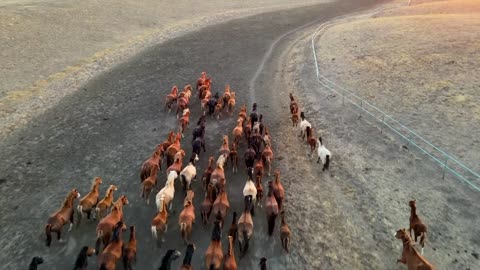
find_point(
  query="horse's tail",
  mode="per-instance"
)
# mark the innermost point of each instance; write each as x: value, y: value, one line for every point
x: 97, y: 213
x: 79, y: 213
x: 125, y: 261
x: 154, y: 232
x: 169, y: 160
x: 271, y: 224
x: 246, y: 242
x: 184, y: 181
x: 48, y: 232
x: 309, y: 132
x: 327, y: 163
x: 103, y: 266
x: 98, y: 241
x: 183, y: 231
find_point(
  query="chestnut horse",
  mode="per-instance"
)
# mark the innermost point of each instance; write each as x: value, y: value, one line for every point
x: 61, y: 217
x: 267, y: 157
x: 278, y: 190
x: 230, y: 263
x: 149, y: 184
x: 410, y: 255
x: 173, y: 149
x: 416, y: 225
x: 221, y: 205
x: 234, y: 157
x: 114, y: 250
x: 81, y: 262
x: 155, y: 159
x: 311, y: 140
x: 187, y: 260
x: 130, y: 251
x: 238, y: 132
x: 293, y: 105
x: 259, y: 187
x: 184, y: 121
x: 202, y: 79
x: 285, y: 233
x: 218, y: 173
x: 231, y: 104
x: 271, y: 209
x: 90, y: 201
x: 214, y: 253
x: 207, y: 173
x: 171, y: 139
x: 159, y: 223
x: 177, y: 163
x: 224, y: 149
x: 245, y: 226
x: 171, y: 98
x: 232, y: 231
x: 187, y: 217
x: 259, y: 168
x: 107, y: 224
x: 105, y: 203
x: 207, y: 203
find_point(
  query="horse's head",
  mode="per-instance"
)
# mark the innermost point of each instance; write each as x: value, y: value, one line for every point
x: 124, y: 200
x: 263, y: 263
x: 36, y: 260
x: 97, y: 181
x: 186, y: 112
x: 401, y: 234
x: 412, y: 203
x: 111, y: 189
x: 171, y: 255
x: 73, y: 194
x: 320, y: 140
x: 170, y: 136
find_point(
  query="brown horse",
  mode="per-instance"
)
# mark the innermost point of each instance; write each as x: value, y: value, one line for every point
x: 278, y: 190
x: 218, y: 108
x: 293, y: 105
x: 311, y: 140
x: 182, y: 104
x: 218, y: 173
x: 61, y: 217
x: 267, y: 158
x: 173, y: 149
x: 226, y: 95
x: 187, y: 217
x: 416, y: 225
x: 90, y: 201
x: 243, y: 112
x: 410, y: 255
x: 207, y: 203
x: 105, y: 203
x: 285, y: 233
x: 202, y: 79
x: 224, y: 149
x: 247, y: 130
x: 234, y: 157
x: 232, y: 231
x: 187, y: 260
x: 238, y: 132
x: 295, y: 119
x: 214, y: 253
x: 231, y: 104
x: 230, y: 263
x: 245, y: 226
x: 178, y: 162
x: 130, y: 251
x: 271, y: 209
x: 107, y: 224
x: 114, y: 250
x: 204, y: 89
x: 150, y: 183
x: 171, y: 98
x: 259, y: 168
x: 207, y: 173
x: 171, y: 139
x: 259, y: 187
x: 221, y: 205
x: 155, y: 159
x: 159, y: 222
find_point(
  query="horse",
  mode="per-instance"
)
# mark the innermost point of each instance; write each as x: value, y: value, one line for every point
x: 207, y: 204
x: 105, y: 204
x: 202, y: 120
x: 293, y: 104
x: 114, y: 250
x: 218, y: 173
x: 212, y: 103
x: 267, y: 158
x: 249, y: 156
x: 207, y: 173
x: 61, y: 217
x: 221, y: 205
x: 168, y: 191
x: 271, y: 208
x: 184, y: 121
x: 295, y: 119
x: 171, y: 98
x: 243, y: 112
x: 226, y: 95
x: 198, y: 131
x: 247, y: 130
x: 169, y: 257
x: 201, y: 80
x: 189, y: 172
x: 214, y: 253
x: 232, y: 231
x: 259, y: 187
x: 259, y: 168
x: 303, y: 126
x: 197, y: 144
x: 155, y: 159
x: 107, y: 224
x: 187, y: 89
x: 311, y: 140
x: 173, y: 149
x: 410, y: 255
x: 169, y: 141
x: 254, y: 114
x: 323, y: 154
x: 218, y: 108
x: 178, y: 162
x: 245, y: 226
x: 35, y: 262
x: 285, y: 233
x: 231, y: 104
x: 90, y: 201
x: 149, y: 184
x: 256, y: 142
x: 182, y: 104
x: 81, y: 263
x: 250, y: 190
x: 267, y: 139
x: 159, y: 222
x: 230, y: 263
x: 187, y: 260
x: 224, y: 149
x: 234, y: 157
x: 205, y: 89
x: 416, y: 225
x: 237, y: 132
x: 278, y: 190
x: 308, y: 132
x: 187, y: 217
x: 263, y: 263
x: 130, y: 251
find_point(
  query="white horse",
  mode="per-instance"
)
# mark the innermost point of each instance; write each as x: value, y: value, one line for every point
x: 323, y: 154
x: 303, y: 127
x: 189, y: 172
x: 168, y: 191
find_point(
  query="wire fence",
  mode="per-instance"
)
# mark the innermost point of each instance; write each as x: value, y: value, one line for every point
x: 447, y: 162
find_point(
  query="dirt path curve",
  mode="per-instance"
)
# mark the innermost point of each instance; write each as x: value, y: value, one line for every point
x: 110, y: 126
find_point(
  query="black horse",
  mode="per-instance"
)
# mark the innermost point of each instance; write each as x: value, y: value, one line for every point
x: 249, y: 156
x: 212, y: 103
x: 35, y: 262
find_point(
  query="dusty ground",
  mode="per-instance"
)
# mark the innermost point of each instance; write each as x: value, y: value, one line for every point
x: 110, y: 126
x: 48, y: 49
x: 373, y: 177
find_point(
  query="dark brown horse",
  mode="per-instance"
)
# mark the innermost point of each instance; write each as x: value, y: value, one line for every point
x: 416, y: 225
x: 61, y: 217
x: 130, y: 251
x: 155, y: 159
x: 285, y: 233
x: 271, y: 209
x: 214, y: 253
x: 187, y: 260
x: 410, y: 255
x: 221, y: 205
x: 207, y: 203
x: 114, y: 250
x: 107, y: 224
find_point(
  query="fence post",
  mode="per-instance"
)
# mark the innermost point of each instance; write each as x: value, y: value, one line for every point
x: 343, y: 97
x: 444, y: 168
x: 383, y: 123
x: 361, y: 107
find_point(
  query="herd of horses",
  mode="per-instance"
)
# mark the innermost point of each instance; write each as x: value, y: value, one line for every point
x: 251, y: 131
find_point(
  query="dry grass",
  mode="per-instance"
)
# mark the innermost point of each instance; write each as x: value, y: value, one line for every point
x: 419, y: 63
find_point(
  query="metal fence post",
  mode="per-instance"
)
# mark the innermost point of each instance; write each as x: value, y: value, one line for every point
x: 361, y: 107
x: 343, y: 97
x: 444, y: 168
x: 383, y: 123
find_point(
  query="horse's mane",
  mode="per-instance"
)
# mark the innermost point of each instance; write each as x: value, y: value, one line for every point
x: 116, y: 231
x: 188, y: 255
x: 68, y: 198
x: 248, y: 202
x: 217, y: 232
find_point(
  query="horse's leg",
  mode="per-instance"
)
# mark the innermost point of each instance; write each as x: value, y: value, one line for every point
x: 89, y: 212
x: 71, y: 221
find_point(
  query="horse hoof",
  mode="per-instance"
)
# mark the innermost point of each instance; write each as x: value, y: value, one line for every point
x: 62, y: 241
